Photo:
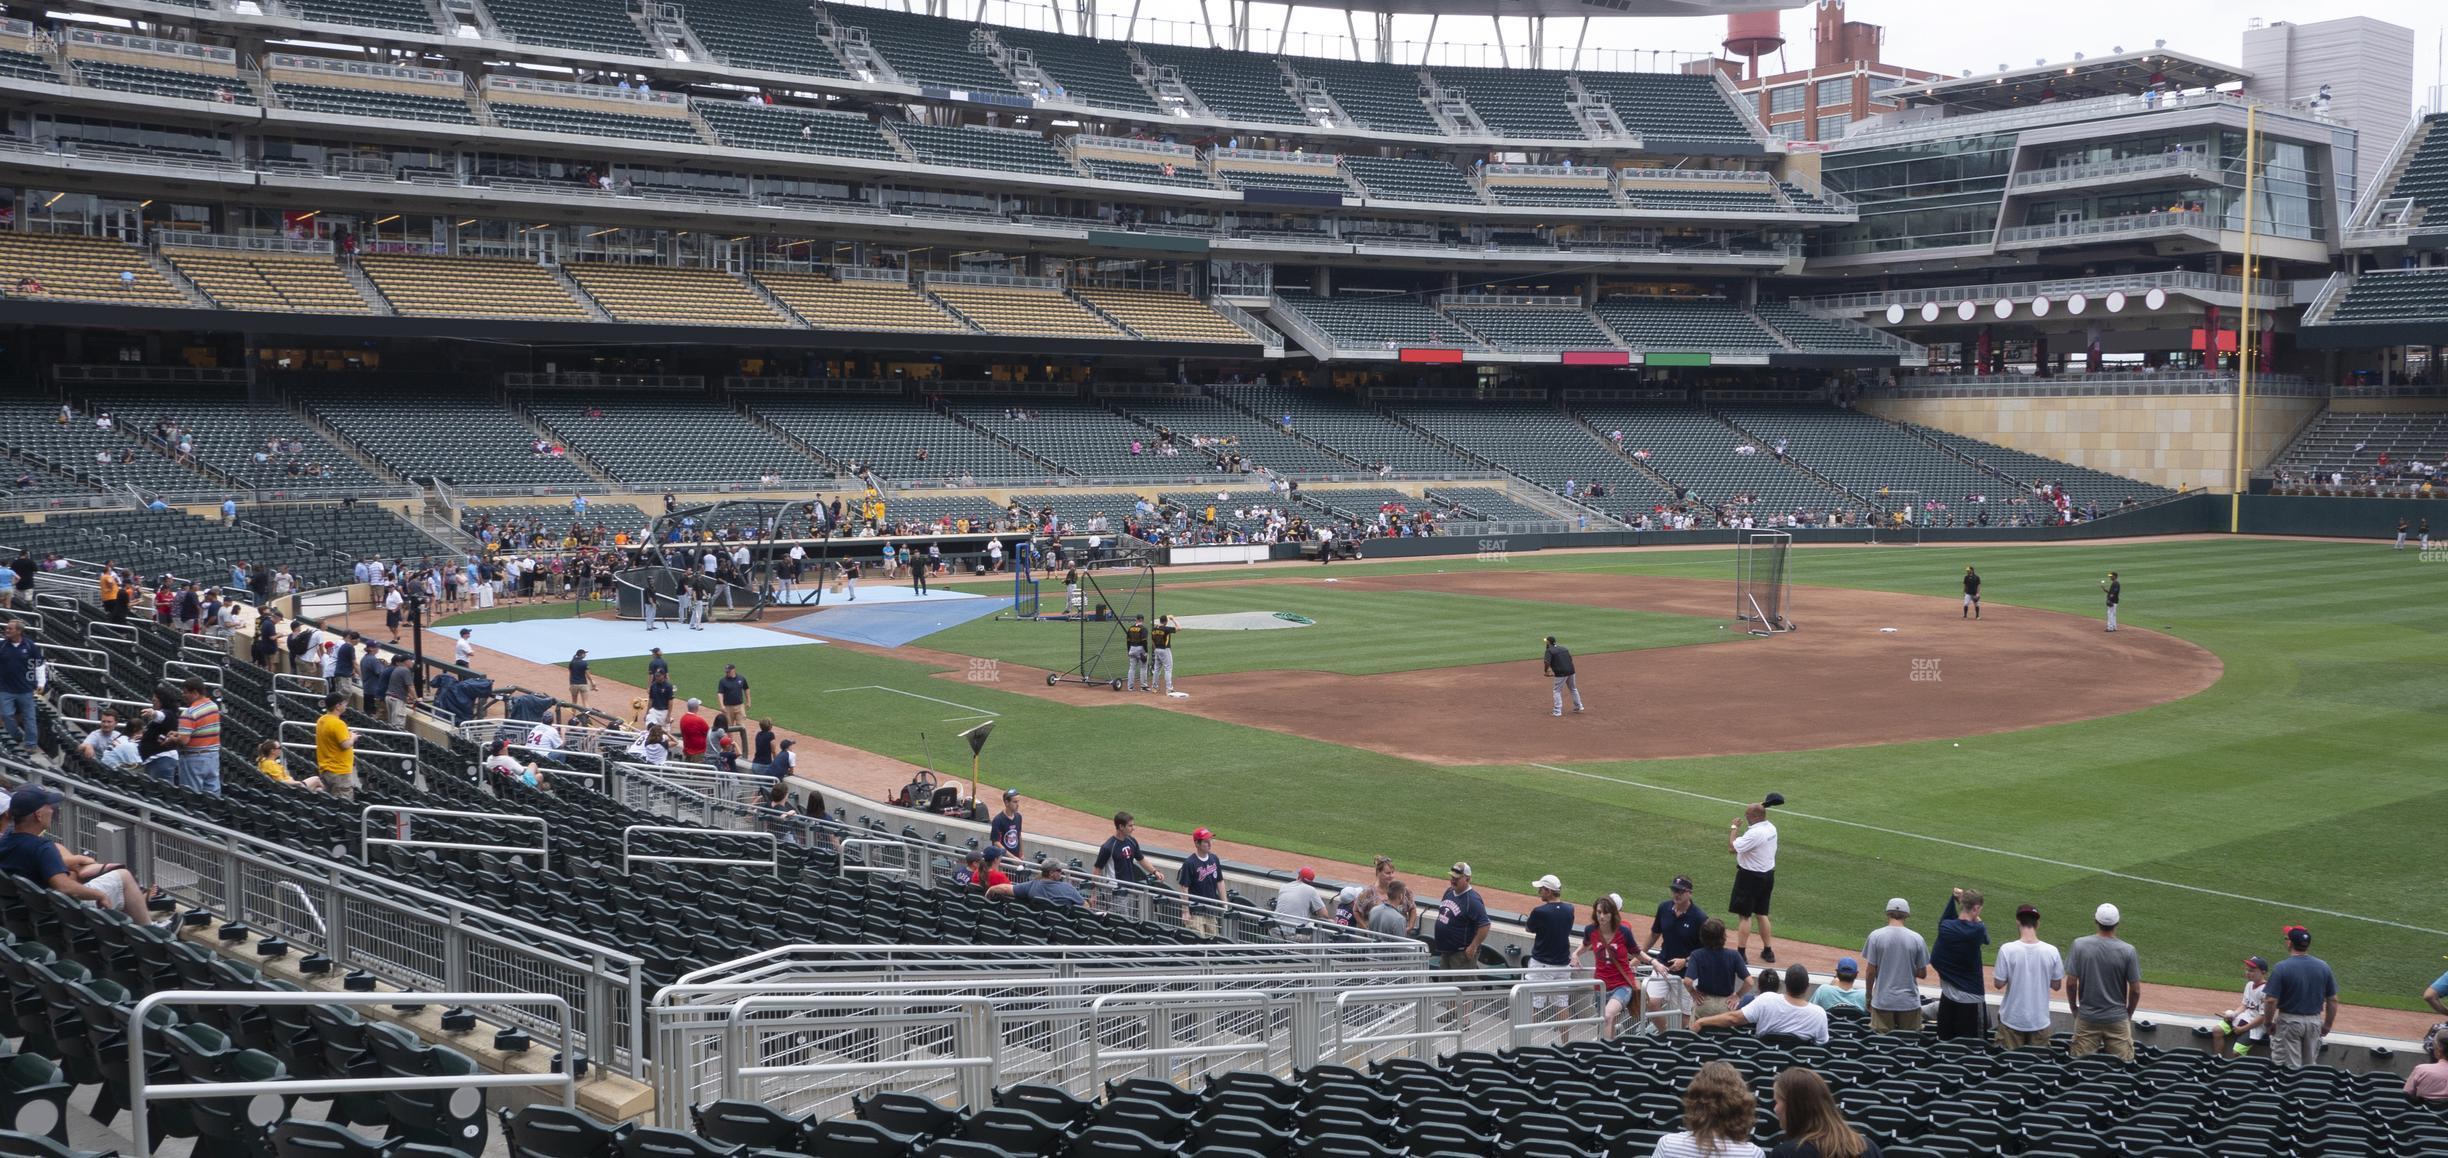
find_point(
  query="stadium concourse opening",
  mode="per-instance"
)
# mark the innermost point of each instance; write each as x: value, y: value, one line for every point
x: 1845, y: 682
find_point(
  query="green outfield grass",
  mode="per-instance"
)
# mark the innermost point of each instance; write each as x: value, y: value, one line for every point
x: 1356, y: 632
x: 2303, y: 778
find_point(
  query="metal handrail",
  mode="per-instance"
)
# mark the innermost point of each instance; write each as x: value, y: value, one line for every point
x: 366, y: 840
x: 2093, y: 170
x: 2136, y: 223
x: 974, y: 1060
x: 615, y: 989
x: 1519, y: 999
x: 773, y: 846
x: 2269, y: 291
x: 1164, y: 1006
x: 1340, y: 1050
x: 141, y: 1096
x: 867, y: 842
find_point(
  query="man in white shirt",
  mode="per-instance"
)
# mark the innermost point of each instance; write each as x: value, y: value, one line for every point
x: 1753, y: 841
x: 544, y: 736
x: 464, y: 652
x: 109, y: 746
x: 2028, y: 969
x: 1298, y: 903
x: 1790, y: 1013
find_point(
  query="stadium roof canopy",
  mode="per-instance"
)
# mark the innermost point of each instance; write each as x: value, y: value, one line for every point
x: 2124, y: 73
x: 1554, y: 8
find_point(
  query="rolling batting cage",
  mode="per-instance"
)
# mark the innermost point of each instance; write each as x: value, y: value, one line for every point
x: 1110, y: 598
x: 1759, y: 580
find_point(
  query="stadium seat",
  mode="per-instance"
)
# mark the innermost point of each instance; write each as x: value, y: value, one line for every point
x: 495, y: 287
x: 790, y: 129
x: 82, y: 268
x: 828, y: 303
x: 926, y: 49
x: 741, y: 1123
x: 655, y: 293
x: 979, y: 147
x: 597, y: 25
x: 1021, y: 311
x: 1237, y: 86
x: 293, y: 283
x: 1406, y: 179
x: 543, y: 1130
x: 398, y: 104
x: 1381, y: 97
x: 1516, y: 102
x: 768, y: 34
x: 656, y: 1142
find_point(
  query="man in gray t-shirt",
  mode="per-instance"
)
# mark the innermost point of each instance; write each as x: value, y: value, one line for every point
x: 2104, y: 985
x: 1388, y: 916
x: 1895, y: 960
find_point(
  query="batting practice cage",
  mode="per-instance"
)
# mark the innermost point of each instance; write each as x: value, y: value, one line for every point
x: 1110, y: 598
x: 1759, y: 580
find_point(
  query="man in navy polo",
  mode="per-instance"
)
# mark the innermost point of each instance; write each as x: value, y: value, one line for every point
x: 1673, y: 934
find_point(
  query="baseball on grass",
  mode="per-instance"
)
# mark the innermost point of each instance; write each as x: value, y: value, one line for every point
x: 1959, y: 744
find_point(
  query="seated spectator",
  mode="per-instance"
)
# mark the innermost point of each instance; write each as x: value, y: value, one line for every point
x: 27, y: 852
x: 108, y: 746
x: 1808, y: 1123
x: 268, y: 761
x: 2429, y: 1081
x: 1718, y: 1111
x: 499, y: 760
x: 1787, y: 1011
x: 1049, y: 887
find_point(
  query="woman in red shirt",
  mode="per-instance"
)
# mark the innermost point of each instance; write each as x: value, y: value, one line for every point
x: 1611, y: 947
x: 165, y: 600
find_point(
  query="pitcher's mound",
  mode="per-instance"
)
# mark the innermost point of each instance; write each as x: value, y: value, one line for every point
x: 1245, y: 621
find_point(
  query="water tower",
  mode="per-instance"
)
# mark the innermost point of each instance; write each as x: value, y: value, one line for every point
x: 1752, y: 35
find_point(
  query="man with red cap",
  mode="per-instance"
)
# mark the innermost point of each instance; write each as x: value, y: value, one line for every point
x: 1298, y: 903
x: 1202, y: 885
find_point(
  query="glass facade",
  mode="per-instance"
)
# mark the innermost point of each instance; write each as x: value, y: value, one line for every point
x: 1923, y: 195
x: 1833, y: 128
x: 2290, y: 196
x: 1836, y: 91
x: 1792, y: 98
x: 1948, y: 192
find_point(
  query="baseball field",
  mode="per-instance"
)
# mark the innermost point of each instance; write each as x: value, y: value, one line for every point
x: 2254, y: 749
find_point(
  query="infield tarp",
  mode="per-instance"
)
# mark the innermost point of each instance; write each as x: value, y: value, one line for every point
x: 904, y: 622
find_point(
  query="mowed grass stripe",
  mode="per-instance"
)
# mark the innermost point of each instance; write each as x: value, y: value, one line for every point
x: 1357, y: 631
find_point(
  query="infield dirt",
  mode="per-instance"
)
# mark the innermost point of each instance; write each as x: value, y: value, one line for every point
x: 1840, y: 681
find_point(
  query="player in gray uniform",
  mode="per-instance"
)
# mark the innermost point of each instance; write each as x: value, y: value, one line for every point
x: 2114, y: 590
x: 1558, y: 664
x: 1160, y: 652
x: 1971, y: 607
x: 1135, y: 648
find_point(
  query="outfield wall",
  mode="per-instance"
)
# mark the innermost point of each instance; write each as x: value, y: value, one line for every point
x: 2176, y: 440
x: 2189, y: 514
x: 2338, y: 517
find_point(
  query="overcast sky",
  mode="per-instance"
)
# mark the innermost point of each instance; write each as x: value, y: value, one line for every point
x: 1931, y: 34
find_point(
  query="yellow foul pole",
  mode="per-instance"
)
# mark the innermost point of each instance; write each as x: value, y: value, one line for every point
x: 2245, y: 346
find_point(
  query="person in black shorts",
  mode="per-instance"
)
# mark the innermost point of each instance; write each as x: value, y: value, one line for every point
x: 1971, y: 607
x: 1753, y: 841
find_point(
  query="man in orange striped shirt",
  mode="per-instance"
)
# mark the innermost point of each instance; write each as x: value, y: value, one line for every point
x: 199, y: 736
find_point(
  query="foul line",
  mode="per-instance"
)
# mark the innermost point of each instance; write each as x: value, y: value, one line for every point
x: 974, y: 711
x: 1982, y: 848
